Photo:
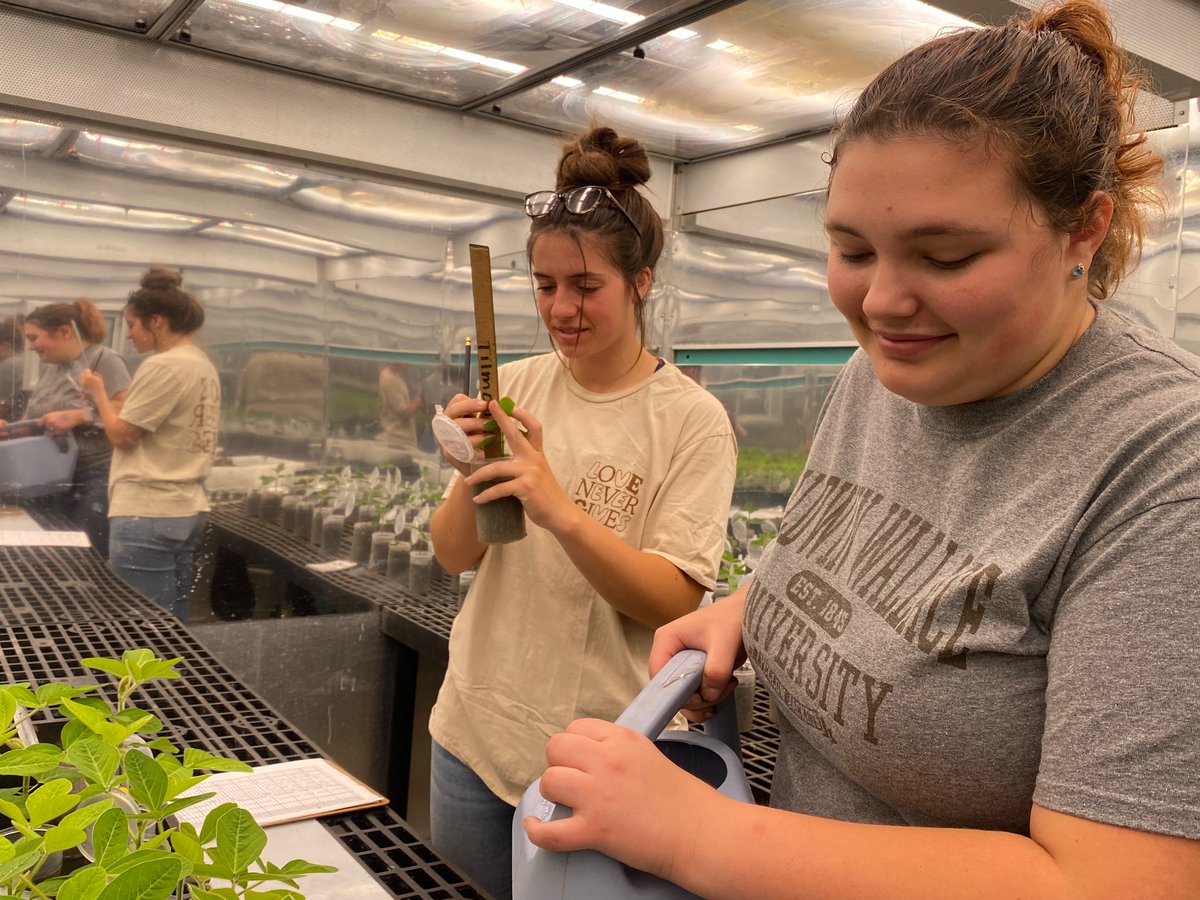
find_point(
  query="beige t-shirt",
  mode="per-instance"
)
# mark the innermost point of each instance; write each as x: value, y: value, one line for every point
x: 535, y: 646
x: 176, y: 399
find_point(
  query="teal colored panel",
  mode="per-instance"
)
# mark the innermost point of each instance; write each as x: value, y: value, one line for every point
x: 766, y: 356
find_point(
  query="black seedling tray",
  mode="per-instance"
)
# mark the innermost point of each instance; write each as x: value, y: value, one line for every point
x: 400, y: 861
x: 67, y: 584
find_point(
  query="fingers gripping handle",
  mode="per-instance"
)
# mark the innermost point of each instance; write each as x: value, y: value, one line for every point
x: 658, y: 702
x: 667, y: 691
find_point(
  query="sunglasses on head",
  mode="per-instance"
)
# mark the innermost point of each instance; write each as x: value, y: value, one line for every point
x: 580, y: 201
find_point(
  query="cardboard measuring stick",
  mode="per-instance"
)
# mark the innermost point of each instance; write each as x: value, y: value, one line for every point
x: 485, y: 333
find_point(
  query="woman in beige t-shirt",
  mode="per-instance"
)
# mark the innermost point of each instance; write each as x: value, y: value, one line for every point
x: 165, y: 437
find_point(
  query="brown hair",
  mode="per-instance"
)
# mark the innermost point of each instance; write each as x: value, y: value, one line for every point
x: 83, y: 313
x: 11, y: 332
x: 1052, y: 94
x: 604, y: 158
x: 162, y: 294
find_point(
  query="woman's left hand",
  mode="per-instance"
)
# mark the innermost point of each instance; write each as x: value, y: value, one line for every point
x: 627, y: 800
x: 532, y: 481
x: 61, y: 421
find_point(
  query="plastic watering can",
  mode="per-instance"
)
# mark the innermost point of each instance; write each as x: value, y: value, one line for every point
x: 712, y: 757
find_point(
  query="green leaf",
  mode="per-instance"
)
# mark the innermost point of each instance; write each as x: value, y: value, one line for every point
x: 8, y: 709
x: 95, y: 760
x: 137, y: 858
x: 19, y: 691
x: 199, y: 893
x: 63, y: 837
x: 132, y: 714
x: 94, y: 719
x: 296, y: 867
x: 29, y: 761
x: 209, y: 829
x: 135, y: 660
x: 147, y: 780
x: 201, y: 759
x: 213, y: 870
x: 111, y: 666
x: 56, y: 692
x: 17, y: 865
x: 50, y: 801
x: 174, y: 806
x: 240, y: 840
x: 84, y: 884
x: 180, y: 779
x: 87, y: 814
x: 154, y: 879
x: 12, y: 811
x: 110, y: 837
x: 188, y: 846
x: 160, y: 668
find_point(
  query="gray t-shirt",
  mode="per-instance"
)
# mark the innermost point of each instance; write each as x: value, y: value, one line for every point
x: 974, y: 608
x: 55, y: 390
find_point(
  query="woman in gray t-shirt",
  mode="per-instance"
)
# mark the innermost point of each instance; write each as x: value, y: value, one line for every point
x: 978, y: 619
x: 67, y: 339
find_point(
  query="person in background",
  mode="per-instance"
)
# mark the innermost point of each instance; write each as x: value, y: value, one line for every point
x: 67, y: 339
x: 625, y: 476
x: 12, y: 367
x: 165, y: 437
x: 978, y: 621
x: 397, y: 408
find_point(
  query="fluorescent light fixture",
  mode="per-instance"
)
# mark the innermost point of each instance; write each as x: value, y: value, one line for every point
x: 277, y: 237
x: 74, y: 212
x: 21, y: 134
x: 300, y: 12
x: 604, y: 11
x: 683, y: 34
x: 619, y: 95
x: 566, y: 81
x: 487, y: 62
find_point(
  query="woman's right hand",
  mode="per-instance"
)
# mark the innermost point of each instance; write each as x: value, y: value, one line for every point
x: 465, y: 411
x: 717, y: 630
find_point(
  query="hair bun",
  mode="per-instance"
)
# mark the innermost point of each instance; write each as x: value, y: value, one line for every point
x: 160, y: 277
x: 603, y: 157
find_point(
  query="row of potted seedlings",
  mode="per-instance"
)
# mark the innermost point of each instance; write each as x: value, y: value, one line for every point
x: 388, y: 519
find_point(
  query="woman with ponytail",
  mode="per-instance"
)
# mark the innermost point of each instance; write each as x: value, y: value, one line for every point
x: 67, y: 338
x: 978, y: 622
x: 625, y: 471
x: 165, y: 437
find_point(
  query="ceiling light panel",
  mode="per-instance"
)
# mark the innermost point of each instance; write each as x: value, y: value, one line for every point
x: 117, y: 13
x: 752, y: 73
x: 448, y: 53
x: 75, y: 212
x: 180, y: 164
x: 23, y: 136
x: 401, y: 207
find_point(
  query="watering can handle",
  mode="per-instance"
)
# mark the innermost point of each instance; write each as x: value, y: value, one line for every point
x: 667, y: 691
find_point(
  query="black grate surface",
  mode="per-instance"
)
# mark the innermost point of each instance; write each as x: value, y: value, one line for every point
x: 206, y: 707
x: 760, y: 745
x: 400, y: 861
x: 432, y: 613
x: 67, y: 584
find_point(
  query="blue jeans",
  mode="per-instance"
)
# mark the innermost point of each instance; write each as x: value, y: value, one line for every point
x: 470, y: 827
x: 155, y: 556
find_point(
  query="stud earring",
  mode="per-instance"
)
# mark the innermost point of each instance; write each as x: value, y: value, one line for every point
x: 1078, y: 271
